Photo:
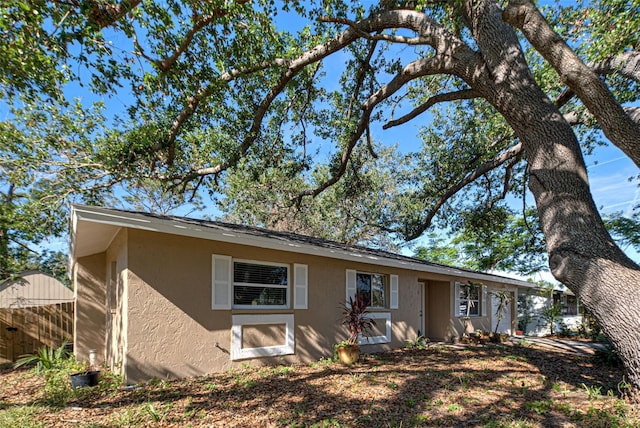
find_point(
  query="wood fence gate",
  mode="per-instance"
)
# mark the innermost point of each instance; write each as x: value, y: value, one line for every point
x: 25, y: 330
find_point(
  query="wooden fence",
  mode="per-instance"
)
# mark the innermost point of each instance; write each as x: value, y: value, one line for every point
x: 25, y: 330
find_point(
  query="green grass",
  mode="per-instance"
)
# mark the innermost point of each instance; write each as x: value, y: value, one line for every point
x: 28, y: 416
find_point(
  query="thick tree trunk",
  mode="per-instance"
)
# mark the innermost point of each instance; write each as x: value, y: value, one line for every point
x: 582, y: 255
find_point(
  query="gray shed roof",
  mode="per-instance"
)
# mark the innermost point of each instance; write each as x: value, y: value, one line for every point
x: 33, y: 288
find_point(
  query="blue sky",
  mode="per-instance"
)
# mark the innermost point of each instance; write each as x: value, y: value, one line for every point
x: 614, y: 181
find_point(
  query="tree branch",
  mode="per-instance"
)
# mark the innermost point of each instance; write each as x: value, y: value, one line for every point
x: 592, y: 91
x: 194, y: 101
x: 314, y: 55
x: 377, y: 37
x: 573, y: 118
x: 416, y: 69
x: 512, y: 153
x: 166, y: 63
x: 465, y: 94
x: 362, y: 72
x: 626, y: 64
x: 450, y: 52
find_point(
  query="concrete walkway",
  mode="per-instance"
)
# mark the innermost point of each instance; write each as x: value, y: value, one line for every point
x: 559, y: 345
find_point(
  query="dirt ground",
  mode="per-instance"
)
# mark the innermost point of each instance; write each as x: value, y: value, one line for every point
x: 490, y: 385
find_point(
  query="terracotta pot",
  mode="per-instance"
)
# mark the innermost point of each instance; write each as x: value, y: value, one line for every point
x: 348, y: 354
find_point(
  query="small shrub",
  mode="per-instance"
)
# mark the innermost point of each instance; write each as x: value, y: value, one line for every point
x: 110, y: 382
x: 45, y: 359
x: 454, y: 407
x: 539, y: 407
x: 57, y: 365
x: 355, y: 316
x: 551, y: 315
x: 420, y: 342
x: 593, y: 392
x: 57, y: 388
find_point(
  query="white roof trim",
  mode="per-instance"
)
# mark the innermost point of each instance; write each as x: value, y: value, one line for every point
x: 219, y: 233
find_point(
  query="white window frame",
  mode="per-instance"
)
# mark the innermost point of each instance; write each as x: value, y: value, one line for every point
x: 385, y: 285
x: 241, y: 321
x: 372, y: 340
x: 482, y: 301
x: 263, y: 263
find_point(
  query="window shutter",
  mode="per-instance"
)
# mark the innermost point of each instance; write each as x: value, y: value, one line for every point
x: 456, y: 310
x: 221, y: 273
x: 484, y: 301
x: 300, y: 286
x: 393, y: 292
x: 351, y: 285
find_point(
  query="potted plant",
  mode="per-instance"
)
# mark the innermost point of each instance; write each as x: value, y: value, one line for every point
x: 354, y: 317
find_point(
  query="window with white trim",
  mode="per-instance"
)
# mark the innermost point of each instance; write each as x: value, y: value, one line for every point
x: 372, y: 288
x: 260, y: 284
x: 250, y: 284
x: 470, y: 299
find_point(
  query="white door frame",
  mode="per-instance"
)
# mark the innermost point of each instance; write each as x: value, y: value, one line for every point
x: 423, y: 311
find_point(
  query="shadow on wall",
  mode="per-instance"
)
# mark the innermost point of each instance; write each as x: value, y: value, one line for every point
x: 90, y: 314
x: 141, y: 371
x: 176, y: 275
x: 460, y: 326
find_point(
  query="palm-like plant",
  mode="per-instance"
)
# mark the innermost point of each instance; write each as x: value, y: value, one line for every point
x: 45, y: 359
x: 354, y: 317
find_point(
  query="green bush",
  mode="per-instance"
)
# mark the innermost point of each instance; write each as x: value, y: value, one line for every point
x: 57, y: 366
x: 45, y: 359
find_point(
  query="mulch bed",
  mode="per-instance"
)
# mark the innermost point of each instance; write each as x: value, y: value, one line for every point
x: 494, y: 385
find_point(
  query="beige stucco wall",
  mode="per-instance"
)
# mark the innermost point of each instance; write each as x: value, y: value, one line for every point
x: 90, y: 312
x: 116, y: 314
x: 153, y: 293
x: 172, y: 330
x: 460, y: 326
x: 438, y: 309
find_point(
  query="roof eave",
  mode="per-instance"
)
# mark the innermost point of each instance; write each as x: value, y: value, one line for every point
x: 82, y: 213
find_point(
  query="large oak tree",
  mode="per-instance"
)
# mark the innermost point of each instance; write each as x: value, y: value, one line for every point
x: 506, y: 96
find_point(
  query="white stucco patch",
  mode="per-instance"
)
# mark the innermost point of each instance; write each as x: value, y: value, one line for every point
x: 238, y: 352
x: 370, y: 340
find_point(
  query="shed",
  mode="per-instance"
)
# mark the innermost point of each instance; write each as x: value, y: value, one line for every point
x: 36, y: 310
